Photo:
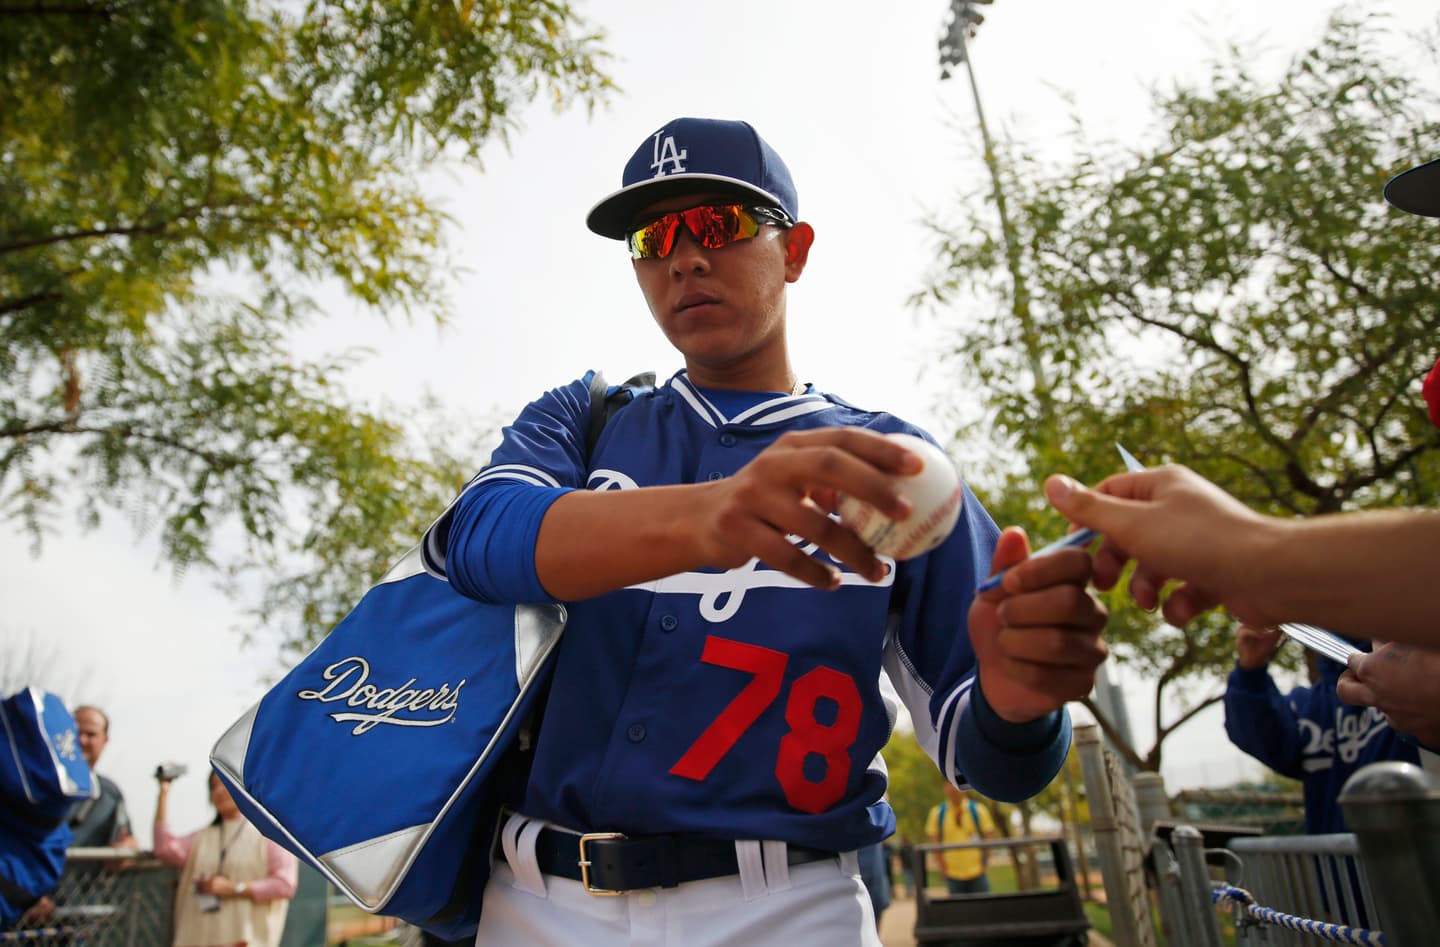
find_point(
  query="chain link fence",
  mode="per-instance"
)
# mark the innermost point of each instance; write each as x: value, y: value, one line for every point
x: 106, y: 898
x: 115, y: 898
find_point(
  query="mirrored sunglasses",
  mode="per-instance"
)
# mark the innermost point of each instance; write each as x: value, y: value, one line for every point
x: 712, y: 225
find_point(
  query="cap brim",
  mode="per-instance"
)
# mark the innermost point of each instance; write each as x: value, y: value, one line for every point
x: 615, y: 213
x: 1416, y: 191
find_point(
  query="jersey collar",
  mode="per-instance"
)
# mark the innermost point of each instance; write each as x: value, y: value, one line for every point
x: 777, y: 410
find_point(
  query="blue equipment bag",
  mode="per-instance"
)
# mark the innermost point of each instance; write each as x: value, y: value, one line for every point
x: 378, y: 758
x: 29, y: 867
x: 383, y: 758
x: 42, y: 773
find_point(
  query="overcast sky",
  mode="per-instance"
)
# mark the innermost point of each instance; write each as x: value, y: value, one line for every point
x: 850, y: 96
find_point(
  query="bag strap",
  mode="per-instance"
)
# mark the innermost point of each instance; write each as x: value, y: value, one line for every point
x: 604, y: 403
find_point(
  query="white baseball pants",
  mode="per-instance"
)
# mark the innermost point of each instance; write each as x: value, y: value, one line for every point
x: 817, y: 904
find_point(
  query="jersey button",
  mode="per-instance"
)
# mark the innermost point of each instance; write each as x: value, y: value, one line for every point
x: 669, y: 623
x: 636, y: 733
x: 715, y: 475
x: 727, y: 439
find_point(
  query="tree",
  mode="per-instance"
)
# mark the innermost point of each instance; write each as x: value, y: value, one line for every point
x: 916, y: 786
x: 1233, y: 295
x: 146, y: 148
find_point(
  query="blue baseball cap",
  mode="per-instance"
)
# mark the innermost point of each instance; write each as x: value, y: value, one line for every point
x: 1416, y: 191
x: 690, y: 155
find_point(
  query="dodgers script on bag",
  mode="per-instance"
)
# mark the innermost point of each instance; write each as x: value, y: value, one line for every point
x: 350, y: 682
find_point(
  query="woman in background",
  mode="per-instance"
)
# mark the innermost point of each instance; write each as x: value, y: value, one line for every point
x: 235, y: 885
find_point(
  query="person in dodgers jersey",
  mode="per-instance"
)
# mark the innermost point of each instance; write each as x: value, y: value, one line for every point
x: 715, y: 714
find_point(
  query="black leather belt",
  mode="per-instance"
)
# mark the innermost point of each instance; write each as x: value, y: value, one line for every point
x: 611, y: 863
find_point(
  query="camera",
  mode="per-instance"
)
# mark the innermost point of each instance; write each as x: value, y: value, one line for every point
x: 168, y: 771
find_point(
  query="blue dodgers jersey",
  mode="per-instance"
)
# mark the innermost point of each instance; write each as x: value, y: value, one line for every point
x: 739, y: 703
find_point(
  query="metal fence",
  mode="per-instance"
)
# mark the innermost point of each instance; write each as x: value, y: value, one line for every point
x: 106, y: 898
x: 115, y: 898
x: 1380, y: 884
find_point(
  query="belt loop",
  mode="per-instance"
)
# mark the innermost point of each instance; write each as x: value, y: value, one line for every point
x: 514, y: 822
x: 517, y: 840
x: 752, y: 869
x: 529, y: 877
x: 850, y: 863
x: 777, y: 866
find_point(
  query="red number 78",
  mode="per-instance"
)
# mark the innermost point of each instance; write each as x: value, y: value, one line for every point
x: 806, y: 735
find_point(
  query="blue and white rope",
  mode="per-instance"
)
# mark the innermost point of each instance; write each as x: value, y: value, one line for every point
x: 1339, y: 933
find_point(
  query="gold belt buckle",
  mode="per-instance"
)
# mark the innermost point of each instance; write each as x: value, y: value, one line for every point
x: 584, y: 863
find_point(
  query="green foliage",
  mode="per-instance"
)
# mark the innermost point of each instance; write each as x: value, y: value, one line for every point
x: 916, y: 786
x: 150, y: 152
x: 1233, y: 294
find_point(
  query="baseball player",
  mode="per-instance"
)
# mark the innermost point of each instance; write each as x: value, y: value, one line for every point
x: 708, y: 761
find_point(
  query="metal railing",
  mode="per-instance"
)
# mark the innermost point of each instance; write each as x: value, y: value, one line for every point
x: 106, y: 898
x: 110, y: 897
x: 1379, y: 884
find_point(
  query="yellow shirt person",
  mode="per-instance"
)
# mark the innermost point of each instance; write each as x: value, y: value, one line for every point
x: 961, y: 819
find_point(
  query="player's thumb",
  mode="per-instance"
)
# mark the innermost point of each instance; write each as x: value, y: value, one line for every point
x: 1012, y: 547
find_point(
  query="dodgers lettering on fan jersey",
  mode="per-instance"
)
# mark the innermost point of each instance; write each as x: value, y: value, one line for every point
x: 741, y: 703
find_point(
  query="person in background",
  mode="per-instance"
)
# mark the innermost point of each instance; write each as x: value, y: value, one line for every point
x: 906, y: 852
x: 102, y: 821
x: 959, y: 819
x: 94, y: 823
x: 235, y: 886
x: 876, y: 878
x: 1307, y: 734
x: 1399, y: 681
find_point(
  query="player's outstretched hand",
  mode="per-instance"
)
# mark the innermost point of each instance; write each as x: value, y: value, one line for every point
x: 1175, y: 524
x: 790, y: 488
x: 1037, y: 635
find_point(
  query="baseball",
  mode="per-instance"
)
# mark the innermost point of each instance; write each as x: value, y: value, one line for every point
x: 935, y: 495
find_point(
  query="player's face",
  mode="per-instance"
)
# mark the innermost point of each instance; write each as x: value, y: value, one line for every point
x: 724, y: 309
x: 90, y: 728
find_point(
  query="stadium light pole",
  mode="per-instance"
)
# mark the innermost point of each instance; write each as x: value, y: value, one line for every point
x: 954, y: 51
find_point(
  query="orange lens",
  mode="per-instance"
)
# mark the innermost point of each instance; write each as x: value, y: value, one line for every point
x: 712, y: 225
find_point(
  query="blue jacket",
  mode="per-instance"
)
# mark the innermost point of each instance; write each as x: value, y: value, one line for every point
x: 1311, y: 736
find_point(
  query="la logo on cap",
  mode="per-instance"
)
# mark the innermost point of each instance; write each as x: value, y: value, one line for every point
x: 666, y: 153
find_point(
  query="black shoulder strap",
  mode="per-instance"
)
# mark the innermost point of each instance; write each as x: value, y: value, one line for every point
x: 603, y: 405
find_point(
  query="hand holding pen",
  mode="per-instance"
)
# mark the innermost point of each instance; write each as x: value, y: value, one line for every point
x: 1076, y: 540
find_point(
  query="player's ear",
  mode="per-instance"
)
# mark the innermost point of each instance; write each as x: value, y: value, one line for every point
x: 797, y: 249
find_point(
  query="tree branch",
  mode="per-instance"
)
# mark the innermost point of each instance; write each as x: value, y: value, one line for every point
x: 104, y: 11
x: 217, y: 460
x: 25, y: 302
x: 1187, y: 715
x: 1116, y: 741
x: 69, y: 235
